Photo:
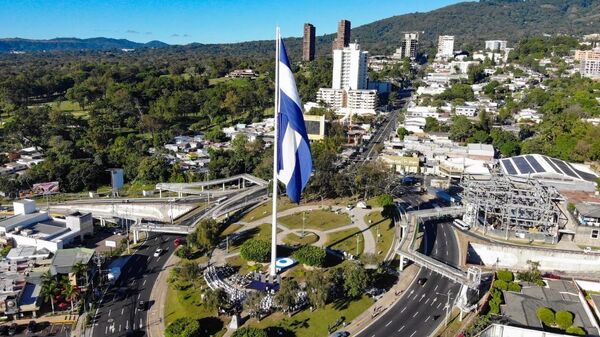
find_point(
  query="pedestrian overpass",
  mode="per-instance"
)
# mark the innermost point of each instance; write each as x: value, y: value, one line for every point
x: 409, y: 228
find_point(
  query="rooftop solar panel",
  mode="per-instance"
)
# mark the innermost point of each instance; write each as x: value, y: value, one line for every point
x: 534, y: 163
x: 565, y: 168
x: 554, y: 167
x: 522, y: 165
x: 586, y: 176
x: 508, y: 166
x: 574, y: 171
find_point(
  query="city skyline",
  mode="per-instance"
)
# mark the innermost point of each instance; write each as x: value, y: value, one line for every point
x: 184, y: 22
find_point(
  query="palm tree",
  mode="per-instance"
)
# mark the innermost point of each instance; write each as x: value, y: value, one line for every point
x: 49, y: 288
x: 80, y: 269
x: 70, y: 293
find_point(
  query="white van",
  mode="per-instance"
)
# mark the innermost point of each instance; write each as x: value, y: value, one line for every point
x: 460, y: 224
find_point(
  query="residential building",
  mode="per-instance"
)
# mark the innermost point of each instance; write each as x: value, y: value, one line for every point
x: 593, y: 54
x: 343, y: 35
x: 445, y: 46
x: 466, y: 110
x: 65, y: 259
x: 590, y: 68
x: 529, y: 115
x: 332, y: 98
x: 493, y: 45
x: 402, y: 164
x: 308, y: 44
x: 350, y: 68
x: 408, y: 47
x: 362, y: 101
x: 242, y: 73
x: 502, y: 330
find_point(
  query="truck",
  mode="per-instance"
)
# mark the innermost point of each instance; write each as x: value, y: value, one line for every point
x: 115, y: 267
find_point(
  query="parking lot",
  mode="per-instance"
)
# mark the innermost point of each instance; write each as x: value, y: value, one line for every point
x: 41, y: 329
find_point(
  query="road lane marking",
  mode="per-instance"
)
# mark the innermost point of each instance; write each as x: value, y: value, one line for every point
x: 106, y: 330
x: 415, y: 315
x: 422, y: 297
x: 412, y: 334
x: 127, y: 325
x: 428, y: 317
x: 139, y: 296
x: 427, y: 300
x: 436, y: 286
x: 401, y: 311
x: 122, y: 310
x: 119, y: 327
x: 109, y: 311
x: 402, y: 327
x: 388, y: 324
x: 438, y: 306
x: 141, y: 323
x: 143, y: 284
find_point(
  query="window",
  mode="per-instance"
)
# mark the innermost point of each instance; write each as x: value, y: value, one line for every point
x: 595, y: 233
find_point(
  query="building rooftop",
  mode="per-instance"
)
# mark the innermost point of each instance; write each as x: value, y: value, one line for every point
x: 12, y: 221
x: 536, y: 165
x: 521, y: 308
x: 65, y: 259
x: 27, y: 252
x: 588, y: 209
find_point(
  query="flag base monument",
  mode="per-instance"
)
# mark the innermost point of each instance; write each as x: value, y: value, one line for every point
x: 292, y: 162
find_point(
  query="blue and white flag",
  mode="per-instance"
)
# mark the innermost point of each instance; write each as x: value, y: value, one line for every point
x: 294, y: 164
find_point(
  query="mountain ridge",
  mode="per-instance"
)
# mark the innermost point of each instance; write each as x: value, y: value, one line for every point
x: 469, y: 22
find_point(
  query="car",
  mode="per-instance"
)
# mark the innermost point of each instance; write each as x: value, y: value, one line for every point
x: 340, y: 334
x: 178, y: 242
x: 551, y: 276
x: 157, y: 252
x: 422, y: 281
x: 12, y: 330
x: 118, y: 232
x: 587, y: 250
x: 349, y: 207
x: 141, y: 305
x: 31, y: 327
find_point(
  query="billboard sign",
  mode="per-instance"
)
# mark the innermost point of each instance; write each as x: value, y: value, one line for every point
x: 110, y: 243
x: 45, y: 188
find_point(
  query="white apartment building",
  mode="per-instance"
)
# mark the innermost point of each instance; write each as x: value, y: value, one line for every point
x: 590, y: 68
x: 466, y: 110
x: 409, y: 46
x: 362, y: 101
x: 445, y: 46
x: 333, y: 98
x: 350, y: 68
x: 495, y: 45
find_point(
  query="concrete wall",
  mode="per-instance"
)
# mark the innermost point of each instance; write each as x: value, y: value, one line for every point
x: 513, y: 257
x: 588, y: 285
x: 156, y: 212
x: 583, y: 236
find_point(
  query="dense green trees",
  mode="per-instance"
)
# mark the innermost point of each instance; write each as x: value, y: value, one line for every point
x: 249, y: 332
x: 310, y: 255
x: 255, y: 250
x: 183, y: 327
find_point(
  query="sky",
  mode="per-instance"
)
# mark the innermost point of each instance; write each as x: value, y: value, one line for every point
x: 186, y: 21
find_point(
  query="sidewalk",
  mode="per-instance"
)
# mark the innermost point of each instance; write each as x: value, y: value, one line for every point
x: 365, y: 319
x: 155, y: 320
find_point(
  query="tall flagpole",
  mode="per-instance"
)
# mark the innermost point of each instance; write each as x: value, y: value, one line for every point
x: 273, y: 271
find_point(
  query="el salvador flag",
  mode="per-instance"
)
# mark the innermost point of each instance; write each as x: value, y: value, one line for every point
x: 294, y: 164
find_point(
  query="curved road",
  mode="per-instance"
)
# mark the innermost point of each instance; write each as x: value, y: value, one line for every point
x: 118, y: 313
x: 422, y: 308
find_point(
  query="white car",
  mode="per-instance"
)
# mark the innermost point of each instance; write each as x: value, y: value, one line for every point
x: 157, y: 252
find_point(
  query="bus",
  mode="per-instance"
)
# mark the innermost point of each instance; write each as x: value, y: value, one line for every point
x: 460, y: 224
x: 220, y: 200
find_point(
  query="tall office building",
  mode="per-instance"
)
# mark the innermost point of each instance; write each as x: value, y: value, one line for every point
x: 445, y: 46
x: 308, y: 45
x: 350, y: 68
x: 343, y: 35
x: 409, y: 46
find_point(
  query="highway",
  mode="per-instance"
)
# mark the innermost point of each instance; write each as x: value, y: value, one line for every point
x: 422, y: 307
x: 118, y: 311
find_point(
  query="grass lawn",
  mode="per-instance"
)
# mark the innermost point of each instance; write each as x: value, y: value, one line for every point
x: 187, y: 303
x: 346, y: 241
x: 237, y: 261
x: 313, y: 324
x: 70, y: 106
x: 317, y: 219
x: 262, y: 232
x: 264, y: 210
x: 230, y: 229
x: 295, y: 239
x: 386, y: 231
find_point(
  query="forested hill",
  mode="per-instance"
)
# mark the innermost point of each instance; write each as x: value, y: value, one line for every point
x: 98, y: 43
x: 470, y: 22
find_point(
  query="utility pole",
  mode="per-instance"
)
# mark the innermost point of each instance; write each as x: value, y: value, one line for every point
x: 448, y: 295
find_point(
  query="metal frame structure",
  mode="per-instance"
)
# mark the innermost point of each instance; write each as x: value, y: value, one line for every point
x: 512, y: 205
